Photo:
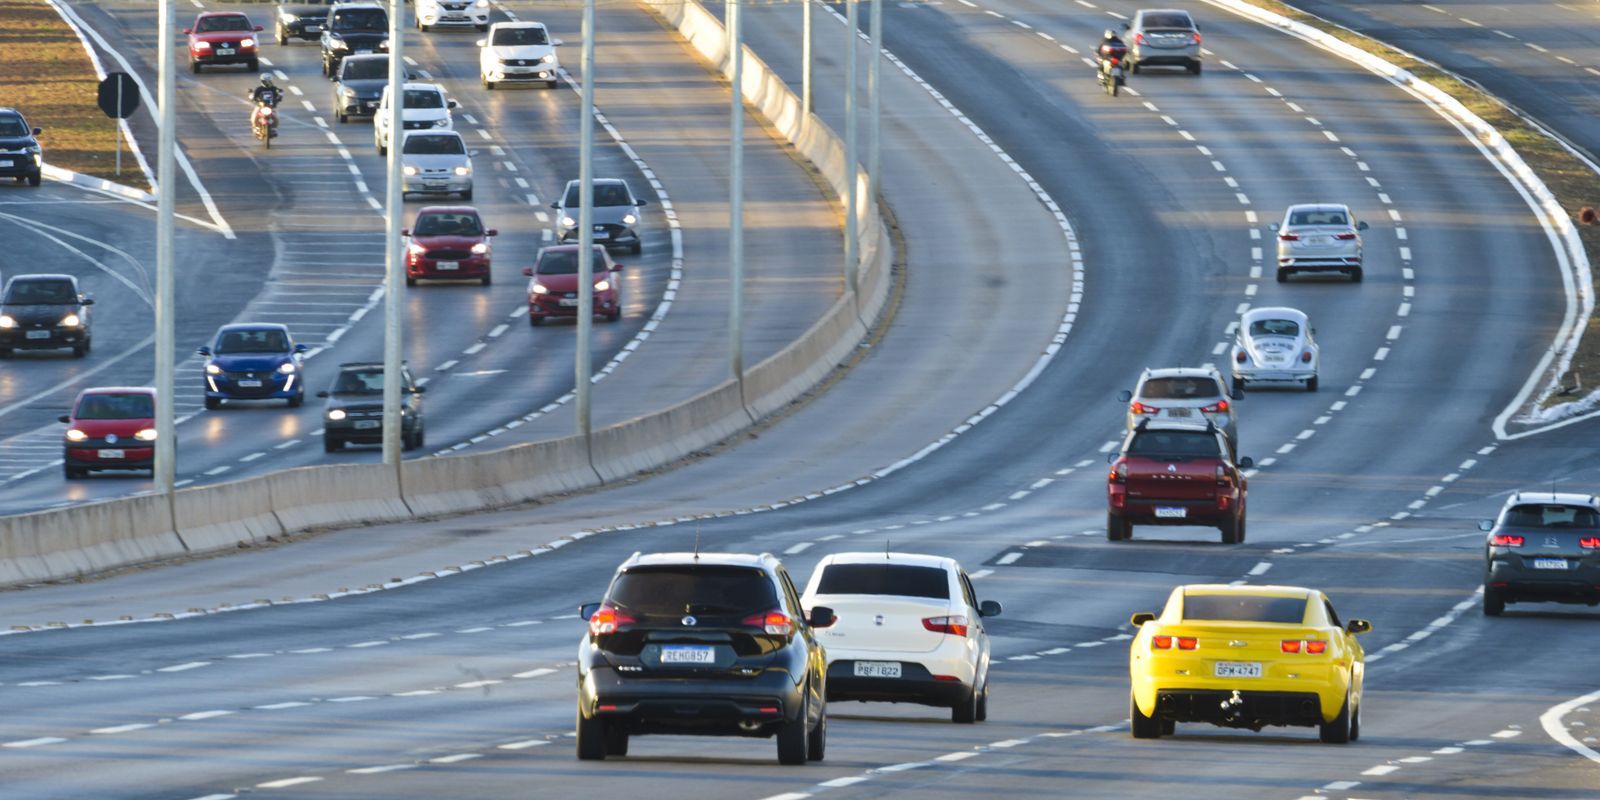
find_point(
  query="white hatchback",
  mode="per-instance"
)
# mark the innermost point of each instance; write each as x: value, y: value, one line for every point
x: 908, y: 629
x: 425, y: 109
x: 518, y: 52
x: 447, y: 13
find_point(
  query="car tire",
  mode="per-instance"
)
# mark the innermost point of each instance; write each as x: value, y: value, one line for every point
x: 5, y: 352
x: 213, y: 403
x: 535, y: 321
x: 614, y: 316
x: 297, y: 401
x: 965, y: 711
x: 384, y: 151
x: 1133, y: 67
x: 1355, y: 722
x: 1283, y: 275
x: 194, y: 66
x: 482, y: 28
x: 279, y: 36
x: 1194, y: 67
x: 793, y: 736
x: 1169, y: 727
x: 1494, y: 602
x: 410, y: 281
x: 1355, y: 275
x: 421, y: 27
x: 1230, y: 530
x: 488, y: 85
x: 35, y: 179
x: 638, y: 247
x: 817, y: 740
x: 983, y: 702
x: 551, y: 84
x: 486, y: 280
x: 340, y: 116
x: 1141, y: 726
x: 255, y: 65
x: 1118, y: 529
x: 466, y: 195
x: 616, y: 740
x: 591, y: 738
x: 1337, y: 731
x: 73, y: 473
x: 79, y: 351
x: 331, y: 444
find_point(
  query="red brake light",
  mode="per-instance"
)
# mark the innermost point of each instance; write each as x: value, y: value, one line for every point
x: 1589, y: 542
x: 1197, y: 38
x: 1138, y: 38
x: 1240, y: 356
x: 1219, y: 407
x: 1188, y: 643
x: 1161, y: 643
x: 609, y: 620
x: 1141, y: 408
x: 775, y: 623
x: 953, y: 625
x: 1289, y: 237
x: 1506, y: 540
x: 1291, y: 645
x: 1316, y: 648
x: 1344, y: 237
x: 1305, y: 357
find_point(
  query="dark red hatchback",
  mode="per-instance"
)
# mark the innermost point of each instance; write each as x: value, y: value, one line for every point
x: 553, y: 292
x: 448, y: 243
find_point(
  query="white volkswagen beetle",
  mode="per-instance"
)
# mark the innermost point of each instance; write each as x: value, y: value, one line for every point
x: 1275, y: 345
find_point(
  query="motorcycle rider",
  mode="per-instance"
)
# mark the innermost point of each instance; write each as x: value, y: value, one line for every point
x: 264, y: 95
x: 1111, y: 47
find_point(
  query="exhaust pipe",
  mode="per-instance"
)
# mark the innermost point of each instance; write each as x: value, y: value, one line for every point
x: 749, y: 725
x: 1232, y: 708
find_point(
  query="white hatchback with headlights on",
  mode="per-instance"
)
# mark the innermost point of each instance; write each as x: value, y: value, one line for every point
x: 518, y: 52
x: 452, y: 13
x: 908, y: 629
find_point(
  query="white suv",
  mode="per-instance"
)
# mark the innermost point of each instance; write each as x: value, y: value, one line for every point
x: 907, y: 629
x: 426, y: 109
x: 445, y: 13
x: 518, y: 52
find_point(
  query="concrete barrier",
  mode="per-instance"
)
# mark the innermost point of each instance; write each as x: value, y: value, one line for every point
x: 225, y: 515
x: 335, y: 495
x: 649, y: 441
x: 498, y: 478
x: 78, y: 540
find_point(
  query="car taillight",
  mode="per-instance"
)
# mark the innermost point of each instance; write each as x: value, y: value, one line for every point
x: 1240, y: 356
x: 1313, y: 647
x: 609, y: 620
x: 1219, y: 407
x: 775, y: 623
x: 1316, y: 647
x: 1291, y: 645
x: 1119, y: 473
x: 1345, y: 237
x: 1305, y: 357
x: 1140, y: 408
x: 1506, y: 540
x: 1288, y: 237
x: 1197, y: 38
x: 955, y: 626
x: 1188, y: 643
x: 1589, y: 542
x: 1138, y: 38
x: 1161, y: 643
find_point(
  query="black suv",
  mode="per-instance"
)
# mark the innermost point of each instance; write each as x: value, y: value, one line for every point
x: 20, y: 156
x: 44, y: 312
x: 354, y: 412
x: 1543, y: 548
x: 301, y: 19
x: 353, y: 29
x: 702, y: 644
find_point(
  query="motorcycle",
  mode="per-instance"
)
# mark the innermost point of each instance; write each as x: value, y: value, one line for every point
x: 1112, y: 75
x: 264, y: 121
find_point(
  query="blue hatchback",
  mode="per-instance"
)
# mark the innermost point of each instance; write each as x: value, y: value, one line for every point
x: 253, y: 361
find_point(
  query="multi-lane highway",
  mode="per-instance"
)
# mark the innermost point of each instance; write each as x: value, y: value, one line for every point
x: 975, y: 425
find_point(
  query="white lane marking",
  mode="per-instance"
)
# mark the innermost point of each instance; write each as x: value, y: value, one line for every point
x: 535, y: 673
x: 199, y: 715
x: 982, y: 573
x: 377, y: 643
x: 1506, y: 734
x: 798, y: 548
x: 416, y: 693
x: 415, y: 636
x: 1018, y: 495
x: 39, y: 742
x: 1261, y: 568
x: 109, y: 677
x: 185, y: 667
x: 382, y: 769
x: 281, y: 706
x: 523, y: 745
x: 1339, y: 786
x: 1041, y: 483
x: 455, y: 759
x: 1381, y: 769
x: 285, y: 783
x: 137, y: 726
x: 1009, y: 558
x: 310, y: 650
x: 478, y: 684
x: 1450, y: 751
x: 355, y: 698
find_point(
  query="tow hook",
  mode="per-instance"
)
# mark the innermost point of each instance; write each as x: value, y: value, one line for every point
x: 1232, y: 707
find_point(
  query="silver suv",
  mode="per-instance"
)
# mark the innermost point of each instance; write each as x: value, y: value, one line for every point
x: 1194, y: 394
x: 1163, y: 37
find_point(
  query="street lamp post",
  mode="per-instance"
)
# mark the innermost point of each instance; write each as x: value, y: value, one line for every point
x: 166, y: 456
x: 581, y: 366
x: 736, y: 193
x: 394, y: 254
x: 851, y: 246
x: 874, y: 75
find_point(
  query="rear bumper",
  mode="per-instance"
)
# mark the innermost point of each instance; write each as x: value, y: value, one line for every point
x: 1245, y: 372
x: 1517, y: 583
x: 1197, y: 512
x: 917, y: 685
x: 1177, y: 56
x: 1255, y: 709
x: 714, y: 706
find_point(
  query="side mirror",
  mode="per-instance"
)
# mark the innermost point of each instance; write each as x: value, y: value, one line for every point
x: 1138, y: 620
x: 37, y: 131
x: 990, y: 608
x: 555, y: 204
x: 86, y: 301
x: 418, y: 389
x: 300, y: 348
x: 259, y: 29
x: 821, y: 617
x: 1124, y: 26
x: 482, y: 42
x: 617, y: 267
x: 323, y: 393
x: 1111, y: 458
x: 1362, y: 225
x: 587, y: 610
x: 555, y: 42
x: 1272, y: 226
x: 1485, y: 525
x: 1359, y: 626
x: 188, y: 31
x: 1246, y: 462
x: 641, y: 202
x: 64, y: 418
x: 205, y: 351
x: 472, y: 154
x: 1124, y: 396
x: 491, y: 232
x: 451, y: 104
x: 405, y: 231
x: 528, y: 271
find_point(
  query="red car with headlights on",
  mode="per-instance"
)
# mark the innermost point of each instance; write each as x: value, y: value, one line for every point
x: 448, y: 243
x: 223, y: 37
x: 110, y: 427
x: 553, y: 292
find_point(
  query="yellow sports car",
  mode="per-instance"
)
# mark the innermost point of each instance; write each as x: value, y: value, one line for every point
x: 1247, y: 657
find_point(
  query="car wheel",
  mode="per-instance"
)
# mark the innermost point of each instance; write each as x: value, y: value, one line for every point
x: 616, y: 740
x: 421, y: 27
x: 591, y: 738
x: 79, y: 351
x: 422, y: 434
x: 488, y: 84
x: 280, y: 36
x: 614, y: 316
x: 408, y: 441
x: 983, y: 702
x: 73, y: 473
x: 1169, y: 727
x: 1311, y: 384
x: 817, y: 740
x: 194, y: 66
x: 330, y: 443
x: 1239, y: 535
x: 297, y: 401
x: 1355, y: 722
x: 255, y: 65
x: 1494, y: 602
x: 410, y: 281
x: 638, y: 247
x: 1283, y: 275
x: 213, y: 403
x: 792, y: 736
x: 965, y: 711
x: 550, y: 84
x: 1337, y: 731
x: 1355, y: 275
x: 535, y: 321
x: 5, y: 352
x: 1230, y: 530
x: 486, y: 279
x: 1143, y: 727
x: 35, y: 179
x: 483, y: 28
x: 340, y: 116
x: 1133, y: 67
x: 1194, y: 67
x: 1117, y: 528
x: 466, y: 195
x: 384, y: 151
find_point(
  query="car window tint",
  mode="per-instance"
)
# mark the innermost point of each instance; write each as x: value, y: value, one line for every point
x: 116, y: 406
x: 1319, y: 217
x: 434, y: 146
x: 231, y: 23
x: 448, y: 225
x: 693, y: 589
x: 361, y: 69
x: 513, y: 37
x: 1552, y: 516
x: 1187, y: 444
x: 12, y: 126
x: 1274, y: 327
x: 565, y: 262
x: 266, y: 341
x: 1167, y: 20
x: 359, y: 382
x: 900, y: 580
x: 1244, y: 608
x: 360, y: 19
x: 41, y: 293
x: 1199, y: 388
x: 424, y: 98
x: 967, y: 591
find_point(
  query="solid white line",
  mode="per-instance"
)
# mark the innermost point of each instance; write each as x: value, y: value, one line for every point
x: 281, y: 706
x: 185, y: 667
x: 523, y: 745
x: 457, y: 758
x: 137, y: 726
x: 535, y: 673
x: 377, y: 770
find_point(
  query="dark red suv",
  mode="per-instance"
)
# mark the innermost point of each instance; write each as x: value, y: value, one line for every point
x: 110, y: 427
x: 448, y: 243
x: 1176, y: 473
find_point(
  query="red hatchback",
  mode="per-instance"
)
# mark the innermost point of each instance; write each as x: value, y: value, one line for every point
x: 553, y: 292
x: 110, y: 427
x: 223, y: 37
x: 448, y: 243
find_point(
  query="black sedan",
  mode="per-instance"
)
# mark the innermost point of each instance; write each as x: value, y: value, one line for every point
x: 1544, y: 547
x: 44, y: 312
x: 303, y: 19
x: 354, y: 413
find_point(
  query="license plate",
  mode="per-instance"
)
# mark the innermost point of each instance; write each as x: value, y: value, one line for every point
x: 249, y: 384
x: 313, y: 28
x: 688, y: 654
x: 6, y: 163
x: 368, y: 424
x: 224, y: 51
x: 1320, y: 240
x: 566, y: 303
x: 602, y: 235
x: 38, y: 334
x: 1172, y: 513
x: 1177, y: 412
x: 1237, y: 669
x: 363, y: 51
x: 1549, y: 563
x: 113, y: 454
x: 877, y: 669
x: 447, y: 265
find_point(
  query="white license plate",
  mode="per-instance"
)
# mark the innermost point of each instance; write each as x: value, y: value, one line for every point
x: 313, y: 28
x: 6, y: 163
x: 249, y: 384
x: 602, y: 235
x: 224, y: 51
x: 566, y: 303
x: 877, y: 669
x: 1237, y: 669
x: 113, y: 454
x: 688, y: 654
x: 364, y: 51
x: 1178, y: 412
x: 368, y: 424
x: 1320, y: 240
x: 38, y: 334
x: 447, y: 265
x: 1171, y: 513
x: 1549, y: 563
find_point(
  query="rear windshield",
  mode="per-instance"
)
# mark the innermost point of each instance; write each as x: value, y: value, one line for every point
x: 264, y: 341
x: 116, y: 406
x: 1274, y: 327
x: 1180, y: 389
x: 1179, y: 444
x: 1167, y: 19
x: 41, y: 293
x: 1241, y: 608
x: 689, y: 589
x: 364, y: 20
x: 902, y: 580
x: 605, y: 194
x: 565, y: 262
x: 512, y: 37
x: 1552, y: 516
x: 435, y: 145
x: 1319, y: 217
x: 360, y: 69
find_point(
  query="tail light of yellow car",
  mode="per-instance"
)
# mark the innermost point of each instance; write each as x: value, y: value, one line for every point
x: 1313, y: 647
x: 1167, y: 642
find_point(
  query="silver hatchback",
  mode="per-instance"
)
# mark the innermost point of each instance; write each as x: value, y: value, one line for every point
x: 1319, y: 237
x: 435, y: 162
x: 1196, y: 394
x: 1163, y: 37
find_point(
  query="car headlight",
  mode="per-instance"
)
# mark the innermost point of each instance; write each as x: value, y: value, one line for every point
x: 213, y: 369
x: 288, y: 19
x: 336, y: 414
x: 441, y: 123
x: 337, y: 44
x: 247, y: 43
x: 416, y: 249
x: 480, y: 248
x: 287, y: 368
x: 202, y: 45
x: 348, y: 92
x: 567, y: 221
x: 483, y: 3
x: 71, y: 321
x: 549, y: 59
x: 146, y: 435
x: 539, y: 288
x: 629, y: 219
x: 383, y: 45
x: 463, y: 171
x: 6, y: 321
x: 409, y: 170
x: 75, y: 435
x: 603, y: 286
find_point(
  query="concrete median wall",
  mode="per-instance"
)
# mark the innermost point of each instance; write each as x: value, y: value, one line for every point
x: 95, y: 537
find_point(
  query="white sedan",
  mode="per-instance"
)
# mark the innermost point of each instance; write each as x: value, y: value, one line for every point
x: 908, y: 629
x: 1275, y: 346
x: 518, y: 52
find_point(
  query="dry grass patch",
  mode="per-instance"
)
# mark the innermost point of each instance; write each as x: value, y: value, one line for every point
x: 45, y: 74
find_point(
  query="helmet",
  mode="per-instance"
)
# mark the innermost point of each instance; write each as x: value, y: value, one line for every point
x: 266, y: 80
x: 1108, y: 35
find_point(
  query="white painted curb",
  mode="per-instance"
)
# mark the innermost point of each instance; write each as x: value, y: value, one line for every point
x: 97, y: 184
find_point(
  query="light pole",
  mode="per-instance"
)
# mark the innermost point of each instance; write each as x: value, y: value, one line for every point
x: 736, y: 194
x: 874, y: 75
x: 581, y: 368
x: 805, y: 56
x: 851, y: 246
x: 394, y: 254
x: 166, y: 457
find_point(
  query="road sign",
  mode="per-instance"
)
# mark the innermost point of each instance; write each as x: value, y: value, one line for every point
x: 119, y: 95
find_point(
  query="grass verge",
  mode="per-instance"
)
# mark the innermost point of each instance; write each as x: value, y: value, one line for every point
x: 49, y: 78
